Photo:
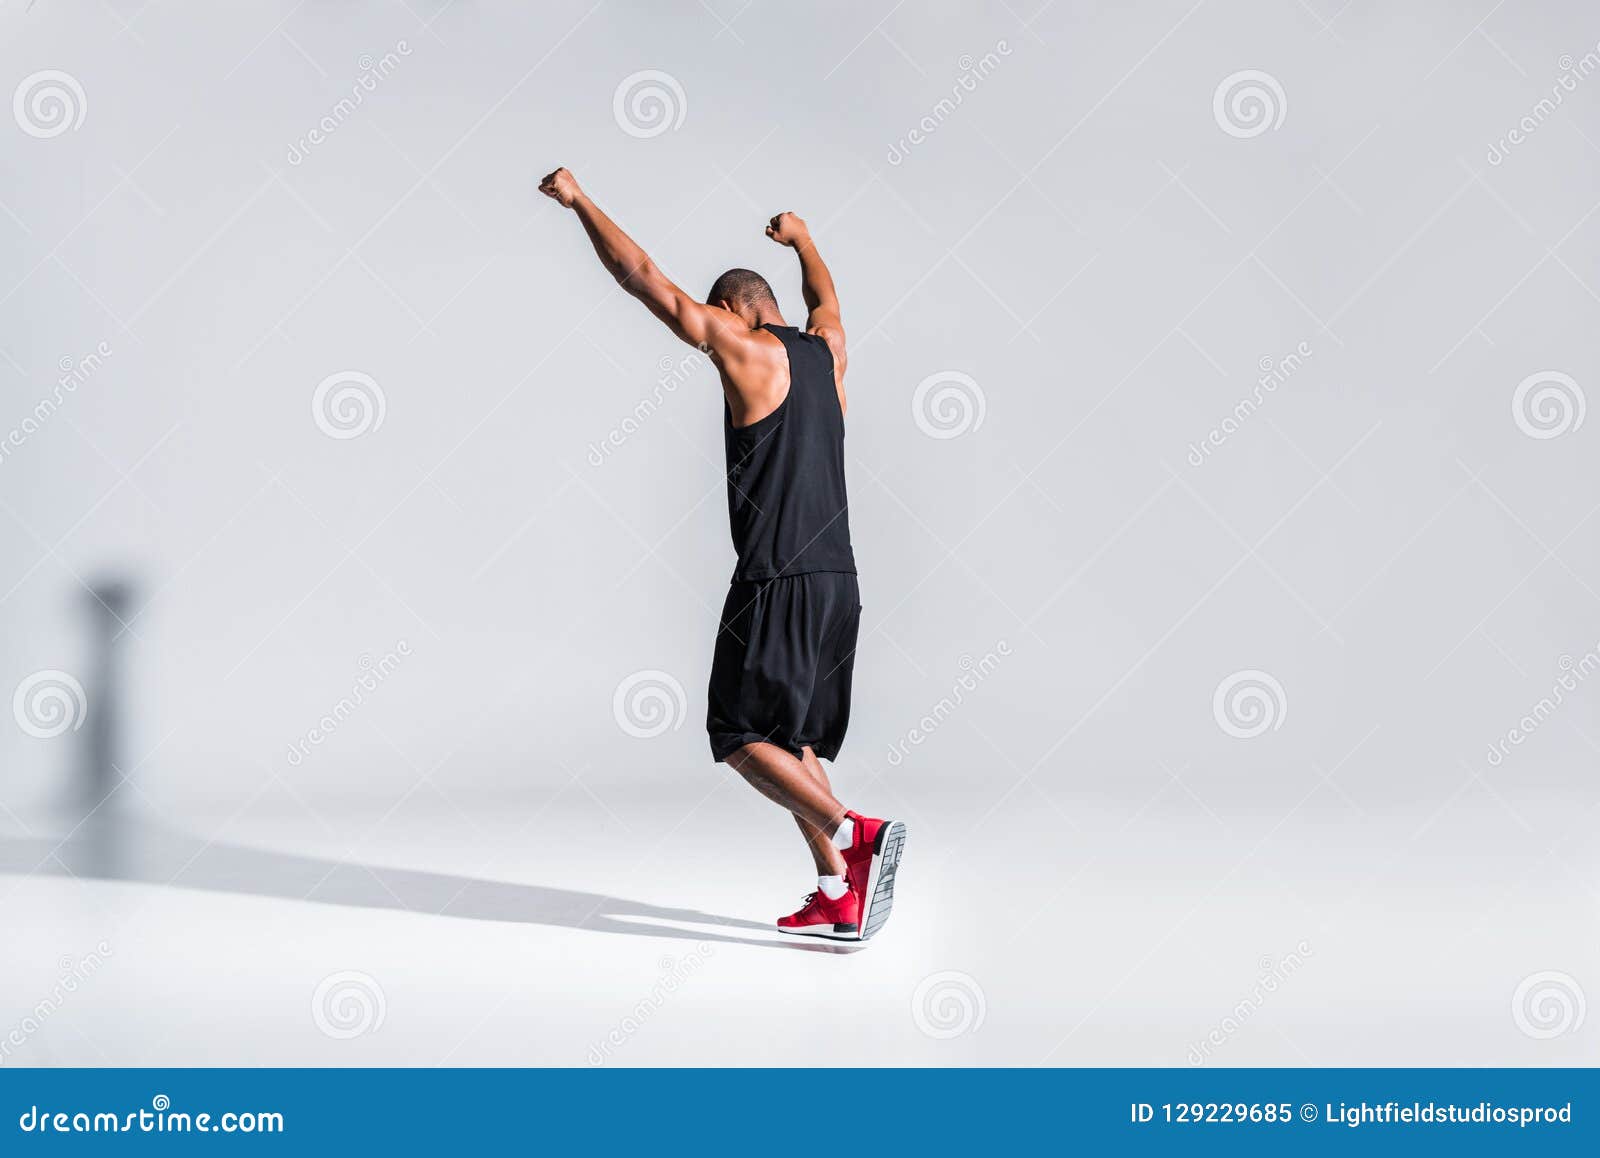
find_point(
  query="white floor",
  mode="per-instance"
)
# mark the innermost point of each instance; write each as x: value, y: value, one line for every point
x: 630, y: 930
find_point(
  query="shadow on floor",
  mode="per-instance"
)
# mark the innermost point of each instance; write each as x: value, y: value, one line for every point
x: 154, y: 855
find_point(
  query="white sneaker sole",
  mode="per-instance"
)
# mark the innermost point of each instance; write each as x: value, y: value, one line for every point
x: 878, y: 900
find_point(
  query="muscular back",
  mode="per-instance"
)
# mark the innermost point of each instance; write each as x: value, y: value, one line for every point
x: 755, y: 379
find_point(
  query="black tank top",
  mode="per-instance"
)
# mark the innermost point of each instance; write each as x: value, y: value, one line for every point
x: 786, y: 499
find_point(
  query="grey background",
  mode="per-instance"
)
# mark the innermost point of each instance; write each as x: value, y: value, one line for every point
x: 1092, y: 852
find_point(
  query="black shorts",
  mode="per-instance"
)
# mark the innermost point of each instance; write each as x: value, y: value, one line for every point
x: 781, y: 673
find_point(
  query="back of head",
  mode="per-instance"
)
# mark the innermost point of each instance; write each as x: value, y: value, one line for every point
x: 744, y: 290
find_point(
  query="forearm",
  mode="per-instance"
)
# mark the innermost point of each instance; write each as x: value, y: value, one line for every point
x: 816, y: 283
x: 618, y: 252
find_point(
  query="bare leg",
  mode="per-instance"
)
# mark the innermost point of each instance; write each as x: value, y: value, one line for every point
x: 829, y: 860
x: 784, y: 780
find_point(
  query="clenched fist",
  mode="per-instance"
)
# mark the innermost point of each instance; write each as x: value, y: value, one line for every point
x: 562, y: 186
x: 787, y: 229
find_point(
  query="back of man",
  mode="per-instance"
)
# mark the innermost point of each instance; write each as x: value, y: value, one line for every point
x: 787, y: 506
x: 786, y: 646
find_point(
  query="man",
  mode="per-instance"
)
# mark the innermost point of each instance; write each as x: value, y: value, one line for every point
x: 780, y: 679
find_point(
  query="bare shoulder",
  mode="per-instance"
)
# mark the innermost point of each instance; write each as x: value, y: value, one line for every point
x: 726, y: 335
x: 755, y: 376
x: 832, y: 334
x: 755, y: 353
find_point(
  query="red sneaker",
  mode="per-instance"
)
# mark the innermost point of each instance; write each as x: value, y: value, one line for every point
x: 838, y: 920
x: 872, y: 859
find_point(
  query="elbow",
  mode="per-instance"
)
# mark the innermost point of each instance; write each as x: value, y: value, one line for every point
x: 635, y: 278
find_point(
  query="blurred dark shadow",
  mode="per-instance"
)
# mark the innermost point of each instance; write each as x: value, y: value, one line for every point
x: 108, y: 603
x: 92, y: 802
x: 155, y: 855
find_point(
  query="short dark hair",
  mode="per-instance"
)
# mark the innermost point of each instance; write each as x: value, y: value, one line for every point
x: 742, y: 287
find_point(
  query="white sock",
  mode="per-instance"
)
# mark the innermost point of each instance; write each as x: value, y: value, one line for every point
x: 845, y: 835
x: 832, y: 887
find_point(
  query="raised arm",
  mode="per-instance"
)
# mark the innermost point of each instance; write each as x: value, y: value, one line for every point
x: 708, y: 327
x: 816, y: 284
